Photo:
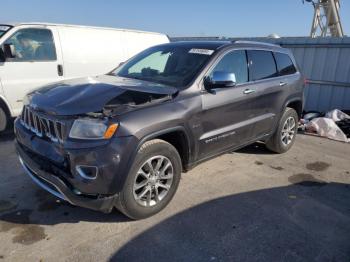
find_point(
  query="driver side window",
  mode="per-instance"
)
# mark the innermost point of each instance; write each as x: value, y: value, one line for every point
x: 32, y: 45
x: 234, y: 62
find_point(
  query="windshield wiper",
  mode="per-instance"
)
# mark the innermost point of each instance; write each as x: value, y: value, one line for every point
x: 147, y: 79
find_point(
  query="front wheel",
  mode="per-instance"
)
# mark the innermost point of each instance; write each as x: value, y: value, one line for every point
x: 153, y: 180
x: 284, y: 137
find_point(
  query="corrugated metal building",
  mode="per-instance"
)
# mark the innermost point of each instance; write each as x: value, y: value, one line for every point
x: 325, y: 62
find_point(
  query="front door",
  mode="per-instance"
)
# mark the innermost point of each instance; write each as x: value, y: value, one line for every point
x: 227, y: 112
x: 37, y: 62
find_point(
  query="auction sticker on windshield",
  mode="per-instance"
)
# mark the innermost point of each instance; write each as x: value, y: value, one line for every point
x: 201, y: 51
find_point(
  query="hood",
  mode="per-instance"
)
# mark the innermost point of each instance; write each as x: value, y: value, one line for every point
x: 92, y: 94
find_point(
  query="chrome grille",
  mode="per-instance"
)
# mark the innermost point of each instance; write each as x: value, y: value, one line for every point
x: 41, y: 125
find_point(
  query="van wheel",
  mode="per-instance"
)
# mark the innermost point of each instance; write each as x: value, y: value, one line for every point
x: 3, y: 119
x: 284, y: 137
x: 152, y: 181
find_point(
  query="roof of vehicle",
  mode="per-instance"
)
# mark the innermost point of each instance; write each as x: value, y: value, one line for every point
x: 214, y: 45
x: 79, y: 26
x: 256, y: 44
x: 200, y: 44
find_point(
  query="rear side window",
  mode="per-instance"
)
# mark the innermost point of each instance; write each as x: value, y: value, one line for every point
x: 285, y: 65
x: 261, y: 65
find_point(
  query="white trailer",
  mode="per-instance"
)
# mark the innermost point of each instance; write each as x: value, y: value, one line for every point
x: 35, y: 54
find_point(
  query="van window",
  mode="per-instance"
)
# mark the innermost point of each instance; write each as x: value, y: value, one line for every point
x: 261, y: 65
x: 285, y: 65
x: 33, y: 45
x: 234, y: 62
x: 3, y: 29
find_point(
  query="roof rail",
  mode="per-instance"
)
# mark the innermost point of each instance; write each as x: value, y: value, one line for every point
x: 254, y: 42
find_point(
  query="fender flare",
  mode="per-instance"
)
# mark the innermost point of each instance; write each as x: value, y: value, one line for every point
x: 295, y: 99
x: 285, y: 105
x: 149, y: 137
x: 163, y: 132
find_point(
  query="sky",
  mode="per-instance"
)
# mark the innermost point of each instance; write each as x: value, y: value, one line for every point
x: 228, y: 18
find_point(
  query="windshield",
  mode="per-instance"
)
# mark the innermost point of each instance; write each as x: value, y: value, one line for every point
x: 3, y: 29
x: 172, y: 65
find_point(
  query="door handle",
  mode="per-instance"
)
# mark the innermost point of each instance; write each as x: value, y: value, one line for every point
x: 248, y: 91
x: 60, y: 70
x: 283, y: 83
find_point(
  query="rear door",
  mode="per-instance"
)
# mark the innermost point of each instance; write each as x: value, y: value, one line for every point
x: 227, y: 112
x: 37, y: 62
x: 266, y: 89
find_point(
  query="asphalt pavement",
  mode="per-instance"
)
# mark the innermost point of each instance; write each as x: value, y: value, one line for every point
x: 250, y: 205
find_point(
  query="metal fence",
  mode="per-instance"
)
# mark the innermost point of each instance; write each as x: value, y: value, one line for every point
x: 325, y: 62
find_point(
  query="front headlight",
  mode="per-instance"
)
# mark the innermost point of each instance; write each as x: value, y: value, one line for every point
x: 92, y: 129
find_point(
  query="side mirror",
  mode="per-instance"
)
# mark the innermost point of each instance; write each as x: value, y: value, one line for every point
x: 222, y: 79
x: 9, y: 51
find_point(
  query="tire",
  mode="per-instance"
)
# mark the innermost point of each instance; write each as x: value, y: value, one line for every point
x: 281, y: 141
x: 143, y: 202
x: 4, y: 119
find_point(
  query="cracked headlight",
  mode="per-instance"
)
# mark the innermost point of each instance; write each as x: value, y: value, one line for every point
x: 92, y: 129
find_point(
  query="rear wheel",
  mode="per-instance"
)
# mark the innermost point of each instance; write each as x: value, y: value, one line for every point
x: 4, y: 119
x: 152, y: 181
x: 284, y: 137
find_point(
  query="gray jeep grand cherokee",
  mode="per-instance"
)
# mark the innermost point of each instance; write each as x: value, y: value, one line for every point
x: 123, y: 139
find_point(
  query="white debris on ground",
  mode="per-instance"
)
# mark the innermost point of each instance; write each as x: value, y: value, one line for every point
x: 334, y: 125
x: 326, y: 127
x: 337, y: 115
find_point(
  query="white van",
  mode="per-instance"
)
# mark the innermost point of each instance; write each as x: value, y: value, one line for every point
x: 35, y: 54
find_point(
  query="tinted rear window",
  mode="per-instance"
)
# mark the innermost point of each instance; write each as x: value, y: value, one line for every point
x: 285, y: 65
x: 261, y: 65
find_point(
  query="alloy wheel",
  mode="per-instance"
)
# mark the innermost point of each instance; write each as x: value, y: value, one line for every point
x: 288, y: 131
x: 153, y: 181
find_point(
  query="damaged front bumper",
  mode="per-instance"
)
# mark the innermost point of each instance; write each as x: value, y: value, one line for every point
x: 60, y: 188
x: 57, y: 168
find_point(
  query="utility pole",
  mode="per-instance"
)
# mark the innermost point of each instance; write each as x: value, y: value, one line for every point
x: 326, y: 21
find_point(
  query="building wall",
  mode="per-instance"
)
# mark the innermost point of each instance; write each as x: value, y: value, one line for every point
x: 325, y: 62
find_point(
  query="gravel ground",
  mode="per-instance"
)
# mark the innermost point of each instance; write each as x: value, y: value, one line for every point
x: 249, y: 205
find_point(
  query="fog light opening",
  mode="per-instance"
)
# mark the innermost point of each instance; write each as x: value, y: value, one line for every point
x: 87, y: 172
x: 76, y: 191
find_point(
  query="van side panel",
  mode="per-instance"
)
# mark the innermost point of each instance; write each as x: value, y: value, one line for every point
x: 4, y: 100
x: 135, y: 42
x: 91, y: 51
x: 19, y: 77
